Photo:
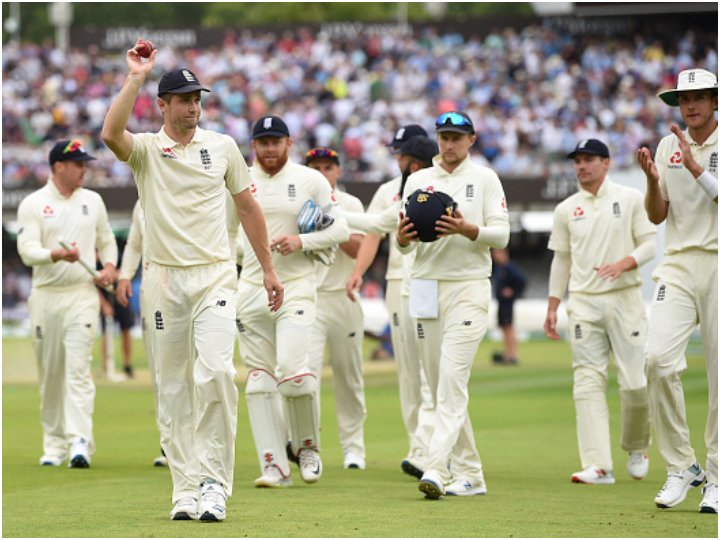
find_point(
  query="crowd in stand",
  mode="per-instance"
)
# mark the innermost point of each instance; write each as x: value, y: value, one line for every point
x: 531, y: 93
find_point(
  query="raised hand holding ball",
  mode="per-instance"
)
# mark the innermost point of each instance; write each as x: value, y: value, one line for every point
x: 144, y: 48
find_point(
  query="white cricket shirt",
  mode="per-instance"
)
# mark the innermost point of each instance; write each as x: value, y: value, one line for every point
x: 480, y: 197
x: 692, y: 219
x: 281, y: 198
x: 335, y: 277
x: 45, y: 217
x: 386, y: 196
x: 600, y: 229
x: 182, y: 192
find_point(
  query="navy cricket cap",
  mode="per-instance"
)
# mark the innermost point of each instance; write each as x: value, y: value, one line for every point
x: 179, y: 81
x: 403, y: 135
x: 590, y: 146
x: 69, y: 151
x: 424, y: 208
x: 455, y: 121
x: 270, y: 126
x: 420, y: 147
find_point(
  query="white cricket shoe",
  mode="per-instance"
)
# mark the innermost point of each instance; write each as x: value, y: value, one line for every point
x: 272, y: 478
x: 678, y: 484
x: 185, y: 509
x: 310, y: 465
x: 432, y: 485
x: 593, y: 475
x: 709, y: 504
x: 414, y: 465
x: 79, y: 454
x: 54, y: 461
x: 637, y: 465
x: 212, y: 501
x: 464, y: 488
x: 353, y: 461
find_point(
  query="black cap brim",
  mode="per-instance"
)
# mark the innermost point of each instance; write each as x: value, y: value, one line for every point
x: 572, y: 155
x: 455, y: 129
x: 277, y: 134
x: 186, y: 89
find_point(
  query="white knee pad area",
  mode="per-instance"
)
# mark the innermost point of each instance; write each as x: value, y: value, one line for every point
x: 266, y: 420
x: 300, y: 403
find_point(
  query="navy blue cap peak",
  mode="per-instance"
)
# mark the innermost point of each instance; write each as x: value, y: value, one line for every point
x: 590, y: 146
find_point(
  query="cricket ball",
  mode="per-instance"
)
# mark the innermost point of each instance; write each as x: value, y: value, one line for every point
x: 144, y: 48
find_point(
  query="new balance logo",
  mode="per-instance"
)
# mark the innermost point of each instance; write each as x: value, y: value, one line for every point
x: 143, y: 325
x: 300, y: 312
x: 578, y: 332
x: 240, y: 326
x: 661, y: 293
x: 635, y: 334
x: 351, y: 335
x: 88, y: 325
x: 159, y: 325
x: 396, y: 320
x: 420, y: 331
x: 220, y: 303
x: 38, y: 332
x: 467, y: 323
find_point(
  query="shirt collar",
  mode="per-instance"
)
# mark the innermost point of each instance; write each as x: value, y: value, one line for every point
x: 604, y: 188
x: 711, y: 140
x: 55, y: 192
x: 166, y: 140
x: 437, y: 160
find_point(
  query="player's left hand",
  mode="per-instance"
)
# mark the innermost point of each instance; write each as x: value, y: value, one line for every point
x: 686, y: 152
x: 612, y: 271
x: 286, y: 244
x: 275, y: 290
x: 106, y: 276
x: 448, y: 225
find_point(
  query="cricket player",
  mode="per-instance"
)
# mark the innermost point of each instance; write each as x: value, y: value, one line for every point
x: 64, y: 302
x: 275, y: 346
x: 339, y: 322
x: 450, y: 297
x: 682, y: 190
x: 600, y: 237
x: 134, y: 252
x: 416, y: 403
x: 182, y: 173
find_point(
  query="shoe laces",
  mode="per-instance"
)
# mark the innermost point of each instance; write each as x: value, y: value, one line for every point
x: 710, y: 489
x: 674, y: 481
x: 308, y: 458
x: 186, y: 501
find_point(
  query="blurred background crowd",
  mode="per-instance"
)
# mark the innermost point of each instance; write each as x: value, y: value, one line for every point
x: 533, y: 93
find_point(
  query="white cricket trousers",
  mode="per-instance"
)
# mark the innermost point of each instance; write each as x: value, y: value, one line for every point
x: 686, y: 294
x: 64, y: 323
x: 416, y: 402
x: 190, y: 320
x: 448, y: 346
x: 598, y: 325
x: 339, y: 324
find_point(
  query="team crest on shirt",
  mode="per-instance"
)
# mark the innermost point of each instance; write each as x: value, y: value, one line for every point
x: 205, y: 159
x: 712, y: 164
x: 616, y: 209
x: 167, y: 153
x: 292, y: 192
x: 469, y: 192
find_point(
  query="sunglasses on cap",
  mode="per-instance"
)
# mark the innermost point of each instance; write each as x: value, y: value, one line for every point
x: 73, y: 146
x: 320, y: 153
x: 453, y: 118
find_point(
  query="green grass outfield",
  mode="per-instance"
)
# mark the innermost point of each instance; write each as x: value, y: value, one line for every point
x: 524, y: 424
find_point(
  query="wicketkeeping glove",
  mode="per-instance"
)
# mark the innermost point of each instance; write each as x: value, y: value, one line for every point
x: 312, y: 219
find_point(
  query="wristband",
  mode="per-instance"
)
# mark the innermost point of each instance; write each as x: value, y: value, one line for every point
x: 709, y: 184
